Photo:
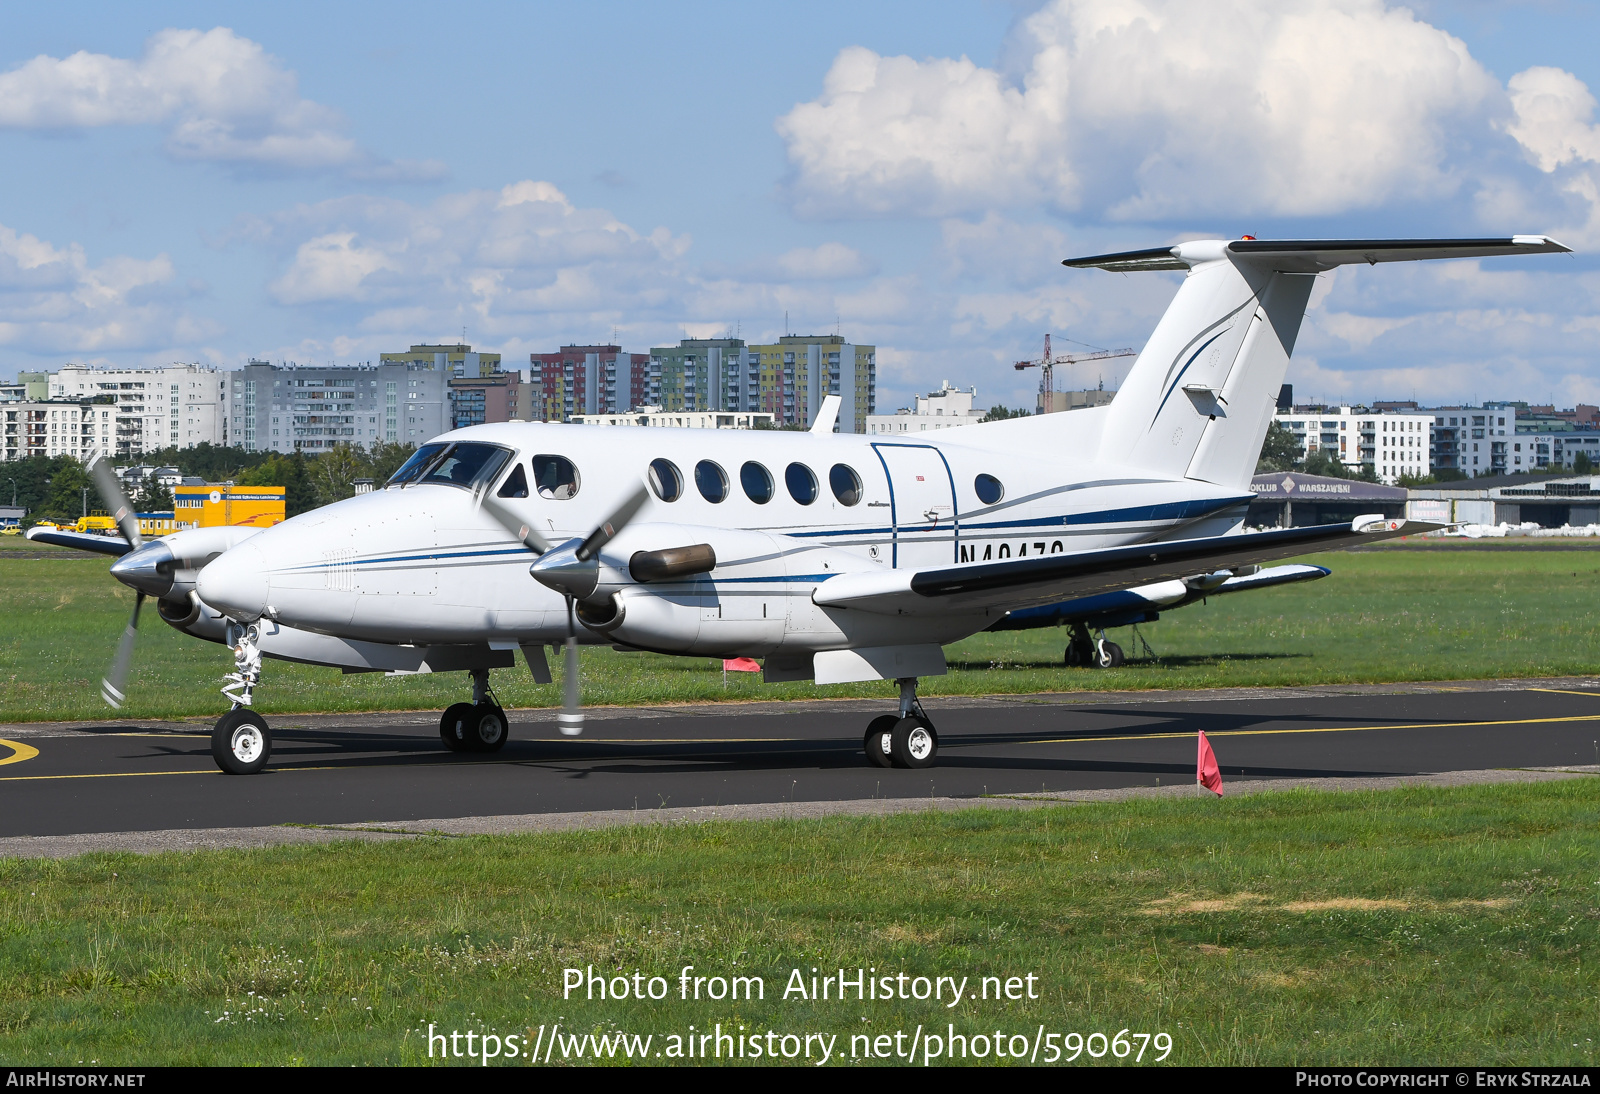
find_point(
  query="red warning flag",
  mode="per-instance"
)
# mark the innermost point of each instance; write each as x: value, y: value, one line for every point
x: 1206, y: 771
x: 741, y: 664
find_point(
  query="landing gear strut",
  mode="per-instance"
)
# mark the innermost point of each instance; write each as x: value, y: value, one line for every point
x: 1084, y: 651
x: 241, y: 743
x: 478, y: 726
x: 907, y: 739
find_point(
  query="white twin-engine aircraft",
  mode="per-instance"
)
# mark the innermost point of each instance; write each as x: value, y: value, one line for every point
x: 832, y: 557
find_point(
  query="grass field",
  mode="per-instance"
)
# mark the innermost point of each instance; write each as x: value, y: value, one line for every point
x: 1398, y: 614
x: 1451, y: 926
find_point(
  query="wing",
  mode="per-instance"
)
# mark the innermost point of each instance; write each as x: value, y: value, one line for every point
x: 83, y: 541
x: 1024, y: 583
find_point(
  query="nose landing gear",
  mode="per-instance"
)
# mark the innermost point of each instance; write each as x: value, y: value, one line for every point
x: 905, y: 740
x: 241, y: 743
x: 478, y: 726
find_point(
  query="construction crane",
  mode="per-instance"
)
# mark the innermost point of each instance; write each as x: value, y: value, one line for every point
x: 1046, y: 366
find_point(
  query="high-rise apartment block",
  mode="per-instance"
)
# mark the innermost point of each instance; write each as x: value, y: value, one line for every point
x: 176, y: 406
x: 588, y: 380
x: 287, y: 408
x: 80, y: 428
x: 786, y: 379
x: 458, y: 360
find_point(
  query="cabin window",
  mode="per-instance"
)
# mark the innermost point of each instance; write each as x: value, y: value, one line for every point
x: 516, y: 484
x: 801, y: 482
x: 757, y: 482
x: 846, y: 484
x: 989, y: 489
x: 555, y: 477
x: 666, y: 480
x: 711, y: 480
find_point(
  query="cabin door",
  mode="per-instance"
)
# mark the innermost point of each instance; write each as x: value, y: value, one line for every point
x: 923, y: 505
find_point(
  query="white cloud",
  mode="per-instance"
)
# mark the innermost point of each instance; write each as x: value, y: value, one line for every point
x: 221, y: 98
x: 510, y: 263
x: 1552, y: 111
x: 824, y: 262
x: 53, y: 300
x: 1152, y: 109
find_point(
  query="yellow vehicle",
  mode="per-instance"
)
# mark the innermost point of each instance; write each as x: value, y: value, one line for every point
x: 97, y: 522
x: 10, y: 530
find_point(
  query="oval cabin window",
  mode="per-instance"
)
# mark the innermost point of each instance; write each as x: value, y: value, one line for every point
x: 757, y: 482
x: 846, y: 484
x: 711, y: 480
x: 989, y: 489
x: 666, y: 480
x: 801, y: 482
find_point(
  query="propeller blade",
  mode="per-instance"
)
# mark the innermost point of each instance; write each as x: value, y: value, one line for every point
x: 571, y: 717
x: 113, y: 686
x: 116, y: 501
x: 523, y: 530
x: 613, y: 524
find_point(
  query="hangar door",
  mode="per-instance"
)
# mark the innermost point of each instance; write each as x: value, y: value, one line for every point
x: 923, y: 505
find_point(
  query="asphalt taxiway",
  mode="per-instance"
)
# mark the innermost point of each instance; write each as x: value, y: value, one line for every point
x: 65, y: 779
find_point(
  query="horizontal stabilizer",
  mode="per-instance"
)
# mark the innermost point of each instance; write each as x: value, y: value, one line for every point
x: 1314, y: 255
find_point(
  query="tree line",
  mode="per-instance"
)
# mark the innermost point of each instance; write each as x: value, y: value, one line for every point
x: 54, y: 487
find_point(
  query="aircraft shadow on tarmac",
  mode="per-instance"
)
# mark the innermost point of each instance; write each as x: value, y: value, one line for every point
x: 355, y: 749
x: 1159, y: 661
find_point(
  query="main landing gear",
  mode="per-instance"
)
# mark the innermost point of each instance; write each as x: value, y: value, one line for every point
x: 241, y: 743
x: 478, y: 726
x: 1084, y: 651
x: 907, y: 739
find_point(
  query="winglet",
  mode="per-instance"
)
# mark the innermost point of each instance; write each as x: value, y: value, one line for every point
x: 827, y: 414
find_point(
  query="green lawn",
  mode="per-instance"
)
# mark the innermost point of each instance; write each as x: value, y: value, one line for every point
x: 1416, y: 926
x: 1400, y: 614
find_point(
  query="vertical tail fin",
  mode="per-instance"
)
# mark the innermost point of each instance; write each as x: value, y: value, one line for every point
x: 1198, y: 400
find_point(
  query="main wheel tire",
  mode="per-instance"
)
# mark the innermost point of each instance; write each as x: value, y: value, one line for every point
x: 914, y: 743
x: 455, y: 727
x: 487, y: 728
x: 241, y: 742
x: 1074, y: 658
x: 879, y: 743
x: 1109, y: 656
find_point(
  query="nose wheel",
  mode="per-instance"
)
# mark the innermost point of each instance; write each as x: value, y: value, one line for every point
x: 907, y: 739
x: 241, y: 743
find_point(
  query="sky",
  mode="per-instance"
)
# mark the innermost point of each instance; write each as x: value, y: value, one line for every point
x: 323, y: 182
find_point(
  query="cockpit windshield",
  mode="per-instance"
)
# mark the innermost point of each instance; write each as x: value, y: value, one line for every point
x: 413, y: 467
x: 462, y: 464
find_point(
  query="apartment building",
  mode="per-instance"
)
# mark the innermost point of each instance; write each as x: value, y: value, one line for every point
x: 175, y: 406
x: 1476, y: 440
x: 587, y: 380
x: 1395, y: 442
x: 946, y: 408
x: 288, y: 408
x: 459, y: 360
x: 80, y: 428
